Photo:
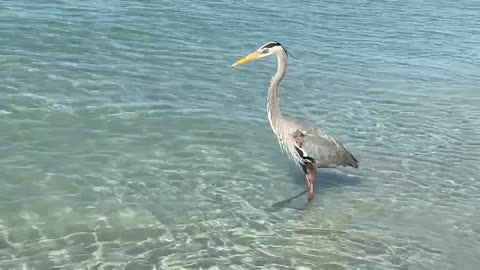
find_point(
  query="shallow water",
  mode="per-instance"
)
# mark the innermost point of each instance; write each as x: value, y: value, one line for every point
x: 127, y: 141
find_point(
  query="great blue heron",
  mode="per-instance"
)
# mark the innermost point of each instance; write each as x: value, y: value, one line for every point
x: 307, y: 145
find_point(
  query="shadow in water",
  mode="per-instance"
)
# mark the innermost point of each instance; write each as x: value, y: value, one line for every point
x: 324, y: 180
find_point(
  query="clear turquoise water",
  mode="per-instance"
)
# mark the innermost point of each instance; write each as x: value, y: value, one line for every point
x: 127, y: 141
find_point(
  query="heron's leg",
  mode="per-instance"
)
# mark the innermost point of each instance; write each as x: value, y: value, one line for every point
x: 311, y: 174
x: 305, y: 170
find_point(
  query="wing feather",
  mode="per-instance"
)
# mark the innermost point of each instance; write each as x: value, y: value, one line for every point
x: 323, y: 149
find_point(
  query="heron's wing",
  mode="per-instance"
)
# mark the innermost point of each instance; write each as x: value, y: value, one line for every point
x: 317, y: 147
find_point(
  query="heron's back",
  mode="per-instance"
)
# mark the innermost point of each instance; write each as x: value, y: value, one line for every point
x: 321, y: 149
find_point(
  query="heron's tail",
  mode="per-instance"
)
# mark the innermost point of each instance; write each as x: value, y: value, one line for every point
x: 354, y: 161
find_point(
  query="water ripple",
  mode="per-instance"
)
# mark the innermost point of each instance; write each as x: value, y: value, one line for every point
x: 128, y: 142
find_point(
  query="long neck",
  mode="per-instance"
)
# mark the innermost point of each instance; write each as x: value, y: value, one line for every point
x: 274, y: 115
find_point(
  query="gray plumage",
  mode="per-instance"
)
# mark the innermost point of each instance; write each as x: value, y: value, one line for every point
x: 325, y: 151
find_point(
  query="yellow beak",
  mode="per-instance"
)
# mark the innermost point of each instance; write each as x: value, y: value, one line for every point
x: 249, y: 58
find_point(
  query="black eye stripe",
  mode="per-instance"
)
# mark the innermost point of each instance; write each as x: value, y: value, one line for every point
x: 270, y: 45
x: 273, y: 44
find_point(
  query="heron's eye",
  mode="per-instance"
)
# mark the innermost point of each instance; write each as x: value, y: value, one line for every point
x: 265, y: 51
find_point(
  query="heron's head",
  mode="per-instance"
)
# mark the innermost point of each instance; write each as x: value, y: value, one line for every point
x: 267, y: 49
